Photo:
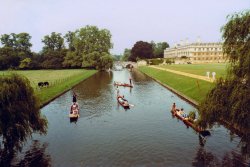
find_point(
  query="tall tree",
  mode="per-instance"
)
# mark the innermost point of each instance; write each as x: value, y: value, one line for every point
x: 141, y: 50
x: 91, y: 39
x: 19, y: 115
x: 159, y: 49
x: 126, y: 54
x: 229, y: 101
x: 53, y: 42
x: 23, y: 42
x: 69, y: 36
x: 18, y: 42
x: 92, y: 43
x: 6, y: 40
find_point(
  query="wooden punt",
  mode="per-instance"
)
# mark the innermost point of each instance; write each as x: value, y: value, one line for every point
x: 186, y: 121
x: 123, y: 84
x: 122, y: 102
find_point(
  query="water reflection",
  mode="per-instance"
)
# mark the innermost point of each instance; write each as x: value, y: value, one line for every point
x: 36, y: 156
x: 230, y: 159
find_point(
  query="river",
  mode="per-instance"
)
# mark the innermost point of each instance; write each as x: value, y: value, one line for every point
x: 108, y: 135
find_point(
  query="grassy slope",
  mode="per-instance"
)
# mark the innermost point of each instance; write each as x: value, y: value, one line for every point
x: 199, y: 69
x: 60, y: 80
x: 186, y: 85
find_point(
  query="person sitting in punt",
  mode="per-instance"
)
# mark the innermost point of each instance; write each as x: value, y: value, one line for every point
x: 125, y: 103
x: 74, y: 108
x: 182, y: 113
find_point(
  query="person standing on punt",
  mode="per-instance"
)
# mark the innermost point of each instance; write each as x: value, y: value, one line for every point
x: 173, y: 107
x: 74, y: 97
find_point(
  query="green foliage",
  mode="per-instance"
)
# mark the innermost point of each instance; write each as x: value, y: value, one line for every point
x: 159, y: 49
x: 72, y: 60
x: 53, y: 42
x: 25, y: 63
x: 98, y: 60
x: 141, y: 50
x: 229, y: 101
x: 16, y: 47
x: 18, y: 42
x: 91, y: 39
x: 106, y: 62
x: 169, y: 61
x: 126, y: 54
x: 8, y: 58
x: 69, y: 36
x: 117, y: 57
x: 155, y: 61
x: 19, y: 113
x: 53, y: 59
x: 92, y: 43
x: 192, y: 115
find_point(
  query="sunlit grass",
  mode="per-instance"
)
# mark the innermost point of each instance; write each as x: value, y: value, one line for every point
x: 200, y: 69
x: 193, y: 88
x: 59, y: 80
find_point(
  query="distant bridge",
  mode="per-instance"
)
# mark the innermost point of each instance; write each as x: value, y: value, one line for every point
x: 125, y: 63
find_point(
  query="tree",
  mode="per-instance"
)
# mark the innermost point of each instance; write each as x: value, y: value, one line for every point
x: 72, y: 60
x: 23, y: 42
x: 53, y: 42
x: 69, y: 36
x: 116, y: 57
x: 53, y: 59
x: 141, y: 50
x: 91, y: 39
x: 18, y: 42
x: 16, y: 47
x: 92, y: 43
x: 229, y: 100
x: 106, y: 62
x: 8, y: 58
x: 126, y: 54
x: 159, y: 49
x: 6, y: 40
x: 19, y: 115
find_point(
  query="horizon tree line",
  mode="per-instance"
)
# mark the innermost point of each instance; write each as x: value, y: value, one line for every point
x: 87, y: 47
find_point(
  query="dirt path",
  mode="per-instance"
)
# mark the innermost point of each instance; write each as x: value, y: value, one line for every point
x: 184, y: 74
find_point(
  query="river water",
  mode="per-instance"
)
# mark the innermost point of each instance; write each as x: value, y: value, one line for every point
x: 108, y: 135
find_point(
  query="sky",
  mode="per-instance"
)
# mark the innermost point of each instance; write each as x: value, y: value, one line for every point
x: 129, y: 21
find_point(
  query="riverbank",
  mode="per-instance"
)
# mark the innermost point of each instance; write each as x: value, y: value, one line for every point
x: 59, y: 81
x: 191, y: 89
x: 49, y: 94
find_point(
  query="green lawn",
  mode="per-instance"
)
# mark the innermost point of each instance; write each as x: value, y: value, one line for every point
x: 192, y: 88
x: 59, y: 80
x: 199, y: 69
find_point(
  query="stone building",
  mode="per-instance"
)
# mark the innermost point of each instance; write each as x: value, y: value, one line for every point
x: 196, y: 52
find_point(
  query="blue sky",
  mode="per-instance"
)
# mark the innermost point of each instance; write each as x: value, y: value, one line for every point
x: 129, y: 20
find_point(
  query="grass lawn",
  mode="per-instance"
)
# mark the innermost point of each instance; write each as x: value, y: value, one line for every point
x: 199, y: 69
x: 193, y: 88
x: 59, y: 80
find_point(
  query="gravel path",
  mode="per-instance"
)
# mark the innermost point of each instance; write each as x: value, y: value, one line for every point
x: 184, y: 74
